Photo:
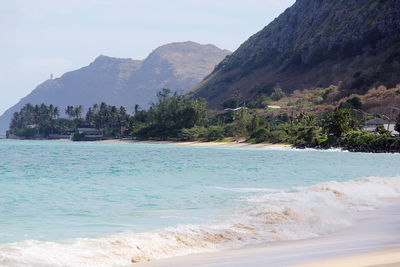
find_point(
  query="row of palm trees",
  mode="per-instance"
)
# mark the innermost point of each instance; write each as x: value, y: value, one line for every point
x: 30, y: 115
x: 74, y: 112
x: 105, y: 116
x: 46, y: 120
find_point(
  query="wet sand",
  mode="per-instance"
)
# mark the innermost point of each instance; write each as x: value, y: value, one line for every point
x: 372, y: 241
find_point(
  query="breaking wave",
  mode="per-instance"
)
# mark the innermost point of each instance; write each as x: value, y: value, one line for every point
x: 297, y: 214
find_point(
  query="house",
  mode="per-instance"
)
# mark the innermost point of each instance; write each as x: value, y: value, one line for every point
x: 274, y: 107
x: 88, y: 131
x: 233, y: 109
x: 89, y: 134
x: 370, y: 126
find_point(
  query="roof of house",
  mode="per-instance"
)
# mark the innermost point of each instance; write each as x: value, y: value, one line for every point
x: 376, y: 121
x: 274, y: 107
x: 389, y: 127
x: 234, y: 109
x: 87, y: 129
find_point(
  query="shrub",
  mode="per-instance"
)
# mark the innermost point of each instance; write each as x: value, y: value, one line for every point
x: 338, y: 123
x: 305, y: 135
x: 381, y: 130
x: 397, y: 126
x: 260, y: 135
x: 192, y: 133
x: 78, y: 136
x: 277, y: 94
x: 353, y: 103
x: 231, y: 103
x: 27, y: 133
x: 320, y: 141
x: 278, y: 136
x: 214, y: 132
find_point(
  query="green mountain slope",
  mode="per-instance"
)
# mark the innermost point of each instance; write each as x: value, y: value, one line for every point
x: 315, y: 43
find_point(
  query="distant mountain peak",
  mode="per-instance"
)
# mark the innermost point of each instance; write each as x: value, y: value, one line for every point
x: 106, y: 60
x: 124, y: 81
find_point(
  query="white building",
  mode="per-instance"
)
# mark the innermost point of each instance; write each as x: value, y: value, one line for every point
x: 370, y: 126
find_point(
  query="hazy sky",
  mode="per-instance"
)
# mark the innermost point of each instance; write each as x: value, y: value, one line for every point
x: 41, y: 37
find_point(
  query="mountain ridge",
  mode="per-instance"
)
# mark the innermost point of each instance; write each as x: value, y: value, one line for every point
x: 314, y: 43
x: 124, y: 81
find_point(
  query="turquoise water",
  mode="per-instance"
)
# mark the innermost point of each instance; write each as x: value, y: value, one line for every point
x: 63, y: 190
x: 58, y: 190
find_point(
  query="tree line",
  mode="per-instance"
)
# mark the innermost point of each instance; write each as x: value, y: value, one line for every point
x: 177, y: 117
x: 42, y: 121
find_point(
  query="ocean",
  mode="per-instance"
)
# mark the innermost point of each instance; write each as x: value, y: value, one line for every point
x: 102, y: 204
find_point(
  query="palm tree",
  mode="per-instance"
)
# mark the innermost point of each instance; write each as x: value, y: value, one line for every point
x: 78, y: 111
x: 56, y: 112
x: 136, y: 108
x: 70, y: 111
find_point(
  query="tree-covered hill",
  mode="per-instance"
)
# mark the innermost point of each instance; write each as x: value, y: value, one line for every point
x: 314, y: 43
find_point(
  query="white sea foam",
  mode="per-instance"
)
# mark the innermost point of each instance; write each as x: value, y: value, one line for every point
x: 300, y: 213
x: 321, y: 150
x: 245, y: 189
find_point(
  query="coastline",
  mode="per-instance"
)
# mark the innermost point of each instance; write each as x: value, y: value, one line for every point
x: 181, y: 143
x: 200, y: 144
x: 240, y: 144
x: 373, y: 241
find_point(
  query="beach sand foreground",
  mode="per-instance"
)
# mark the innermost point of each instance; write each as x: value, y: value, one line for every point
x: 385, y: 258
x: 372, y: 241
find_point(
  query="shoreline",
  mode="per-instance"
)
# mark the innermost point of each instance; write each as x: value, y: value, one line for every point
x: 187, y: 143
x: 373, y: 241
x: 178, y: 143
x: 229, y: 144
x: 208, y: 144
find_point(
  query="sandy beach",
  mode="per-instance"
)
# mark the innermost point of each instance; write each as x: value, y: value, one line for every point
x: 241, y: 143
x: 384, y: 258
x: 373, y: 241
x: 200, y: 144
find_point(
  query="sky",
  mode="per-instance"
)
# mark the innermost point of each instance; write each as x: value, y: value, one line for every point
x: 43, y: 37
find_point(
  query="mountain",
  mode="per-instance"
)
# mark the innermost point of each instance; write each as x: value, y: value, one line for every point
x: 126, y: 82
x: 314, y: 43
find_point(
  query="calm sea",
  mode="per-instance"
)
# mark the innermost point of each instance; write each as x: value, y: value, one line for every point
x: 71, y: 204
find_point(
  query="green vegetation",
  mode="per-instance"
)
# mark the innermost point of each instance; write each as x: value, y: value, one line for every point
x: 108, y: 119
x: 42, y: 121
x: 169, y: 119
x: 308, y: 46
x: 74, y: 112
x: 37, y: 120
x: 397, y: 126
x: 177, y: 117
x: 337, y: 123
x: 278, y: 93
x: 353, y: 103
x: 234, y: 101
